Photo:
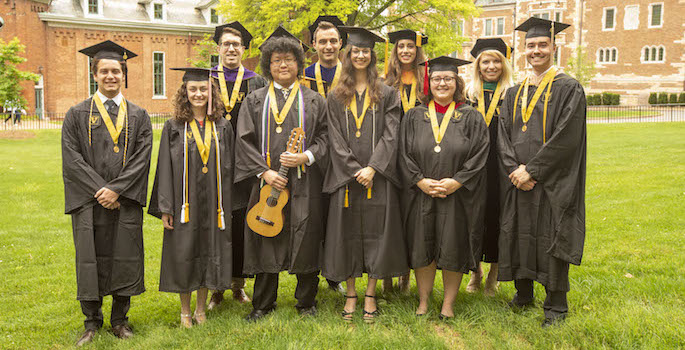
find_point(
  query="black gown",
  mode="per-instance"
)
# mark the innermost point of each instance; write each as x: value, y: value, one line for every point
x: 492, y: 205
x: 109, y: 243
x: 297, y: 248
x: 445, y: 230
x: 543, y: 230
x: 366, y: 237
x: 196, y: 254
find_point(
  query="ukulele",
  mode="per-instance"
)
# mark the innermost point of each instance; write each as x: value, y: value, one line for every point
x: 266, y: 217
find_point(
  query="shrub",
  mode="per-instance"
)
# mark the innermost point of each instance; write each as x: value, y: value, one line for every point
x: 673, y: 99
x: 615, y: 99
x: 652, y: 98
x: 663, y: 98
x: 681, y: 99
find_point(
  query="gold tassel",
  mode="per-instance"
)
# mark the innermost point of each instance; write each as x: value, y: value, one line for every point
x: 368, y: 193
x: 185, y: 213
x: 268, y: 159
x: 387, y: 59
x: 347, y: 197
x: 221, y: 220
x: 418, y: 39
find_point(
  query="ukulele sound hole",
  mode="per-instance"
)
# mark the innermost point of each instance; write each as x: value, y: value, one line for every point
x: 271, y: 201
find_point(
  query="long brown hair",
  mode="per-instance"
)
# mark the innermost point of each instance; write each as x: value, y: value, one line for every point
x: 346, y: 88
x: 394, y: 77
x: 183, y: 109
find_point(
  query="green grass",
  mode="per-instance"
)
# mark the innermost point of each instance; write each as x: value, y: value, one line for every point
x: 635, y: 227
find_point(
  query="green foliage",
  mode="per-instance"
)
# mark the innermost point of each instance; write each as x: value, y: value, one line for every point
x: 594, y: 100
x: 681, y: 99
x: 581, y: 67
x: 663, y: 98
x: 673, y: 99
x: 10, y: 76
x: 436, y: 18
x: 204, y: 49
x: 653, y: 98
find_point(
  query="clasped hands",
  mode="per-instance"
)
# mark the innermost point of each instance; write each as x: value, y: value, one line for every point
x: 522, y: 179
x: 290, y: 160
x: 438, y: 188
x: 107, y: 198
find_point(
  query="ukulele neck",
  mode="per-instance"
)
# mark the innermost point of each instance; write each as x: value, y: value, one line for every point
x: 283, y: 172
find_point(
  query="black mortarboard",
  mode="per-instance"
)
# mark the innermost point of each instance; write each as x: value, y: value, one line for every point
x: 195, y: 74
x: 445, y: 63
x: 361, y: 37
x: 536, y: 27
x: 282, y: 32
x: 416, y: 37
x: 334, y: 20
x: 244, y: 33
x: 491, y: 44
x: 109, y: 50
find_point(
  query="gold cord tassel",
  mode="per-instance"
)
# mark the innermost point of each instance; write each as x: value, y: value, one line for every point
x: 220, y: 219
x: 368, y: 193
x: 347, y: 197
x: 185, y: 213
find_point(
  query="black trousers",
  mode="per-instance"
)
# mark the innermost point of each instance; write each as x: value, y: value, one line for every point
x: 555, y: 304
x: 93, y: 311
x: 266, y: 290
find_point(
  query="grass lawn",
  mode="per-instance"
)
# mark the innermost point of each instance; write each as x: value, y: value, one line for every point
x: 629, y: 292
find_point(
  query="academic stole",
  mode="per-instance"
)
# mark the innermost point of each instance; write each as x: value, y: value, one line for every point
x: 439, y: 130
x: 358, y: 121
x: 203, y: 147
x: 230, y: 103
x: 114, y: 132
x: 271, y: 108
x: 319, y: 78
x: 493, y: 103
x: 408, y: 104
x: 527, y: 109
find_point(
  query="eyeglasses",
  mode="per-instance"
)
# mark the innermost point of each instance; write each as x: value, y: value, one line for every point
x: 288, y: 61
x: 447, y: 80
x: 228, y: 44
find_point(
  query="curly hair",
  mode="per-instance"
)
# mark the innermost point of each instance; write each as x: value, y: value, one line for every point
x: 458, y: 92
x: 281, y: 45
x: 345, y: 89
x: 394, y: 77
x: 183, y: 109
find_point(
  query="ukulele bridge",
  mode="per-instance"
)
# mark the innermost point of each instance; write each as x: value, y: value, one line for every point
x: 265, y: 221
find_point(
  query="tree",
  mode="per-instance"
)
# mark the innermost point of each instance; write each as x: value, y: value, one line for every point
x: 436, y: 18
x: 204, y: 49
x: 580, y: 67
x: 10, y: 76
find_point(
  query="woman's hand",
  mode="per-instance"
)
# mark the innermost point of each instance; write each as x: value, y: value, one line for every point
x: 292, y: 160
x: 450, y: 185
x: 519, y: 176
x: 274, y: 180
x: 431, y: 187
x: 168, y: 221
x: 365, y: 176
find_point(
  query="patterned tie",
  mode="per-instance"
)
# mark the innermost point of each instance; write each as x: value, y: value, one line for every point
x: 285, y: 92
x: 111, y: 106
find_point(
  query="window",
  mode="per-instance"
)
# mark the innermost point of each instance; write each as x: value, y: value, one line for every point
x: 607, y: 55
x: 558, y: 17
x: 631, y: 18
x: 213, y: 16
x: 500, y: 26
x: 543, y: 15
x: 653, y: 54
x: 158, y: 10
x: 38, y: 88
x: 609, y: 22
x: 92, y: 85
x: 487, y: 27
x: 158, y: 74
x: 458, y: 26
x: 93, y: 7
x: 557, y: 56
x: 214, y: 60
x: 655, y: 15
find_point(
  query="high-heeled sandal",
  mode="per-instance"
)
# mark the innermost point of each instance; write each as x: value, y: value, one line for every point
x: 347, y: 316
x: 370, y: 316
x: 186, y: 320
x: 200, y: 318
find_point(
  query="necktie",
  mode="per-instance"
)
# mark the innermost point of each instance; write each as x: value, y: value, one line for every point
x: 285, y: 92
x: 111, y: 106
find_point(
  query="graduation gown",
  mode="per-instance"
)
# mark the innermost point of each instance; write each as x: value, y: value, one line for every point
x: 109, y: 243
x: 543, y: 230
x: 445, y: 230
x: 327, y: 75
x: 297, y: 248
x: 492, y: 205
x: 407, y: 93
x: 196, y: 254
x: 366, y: 237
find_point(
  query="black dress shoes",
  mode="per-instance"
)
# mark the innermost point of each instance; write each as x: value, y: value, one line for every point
x: 307, y: 311
x: 553, y: 321
x: 258, y: 314
x: 122, y: 331
x: 516, y: 303
x: 86, y: 338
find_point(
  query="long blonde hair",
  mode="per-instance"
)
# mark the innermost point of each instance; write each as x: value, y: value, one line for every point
x: 506, y: 79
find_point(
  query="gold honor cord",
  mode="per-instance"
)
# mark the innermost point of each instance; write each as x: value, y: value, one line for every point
x: 493, y: 103
x: 408, y: 104
x: 439, y: 131
x: 113, y: 132
x: 359, y: 120
x: 319, y: 78
x: 203, y: 146
x: 279, y: 117
x: 527, y: 109
x: 230, y: 103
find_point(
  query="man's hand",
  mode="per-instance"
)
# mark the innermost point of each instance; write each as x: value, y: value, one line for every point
x: 432, y: 188
x: 274, y: 180
x: 450, y: 185
x: 527, y: 186
x: 107, y: 198
x: 365, y: 176
x: 519, y: 176
x: 292, y: 160
x: 113, y: 206
x: 168, y: 221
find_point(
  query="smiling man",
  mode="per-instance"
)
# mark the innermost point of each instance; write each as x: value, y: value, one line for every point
x: 323, y: 75
x: 542, y: 146
x: 106, y: 147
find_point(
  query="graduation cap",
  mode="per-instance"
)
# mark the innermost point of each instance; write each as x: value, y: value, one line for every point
x: 334, y: 20
x: 416, y: 37
x: 537, y: 27
x: 361, y: 37
x: 281, y: 32
x: 244, y: 33
x: 109, y: 50
x: 198, y: 74
x: 491, y: 44
x: 441, y: 64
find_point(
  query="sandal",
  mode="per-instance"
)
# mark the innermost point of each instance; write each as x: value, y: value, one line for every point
x: 347, y: 316
x: 186, y: 320
x: 200, y: 318
x: 370, y: 316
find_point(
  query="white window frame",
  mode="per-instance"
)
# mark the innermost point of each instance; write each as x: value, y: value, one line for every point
x: 607, y: 53
x: 648, y: 58
x: 486, y: 26
x: 86, y: 11
x: 151, y: 10
x: 561, y: 16
x: 604, y: 18
x: 556, y: 58
x: 625, y: 16
x: 495, y: 25
x: 90, y: 76
x: 540, y: 13
x: 649, y: 15
x: 163, y: 95
x: 40, y: 86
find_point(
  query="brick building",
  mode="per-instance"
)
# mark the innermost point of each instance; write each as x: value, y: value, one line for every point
x: 637, y: 45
